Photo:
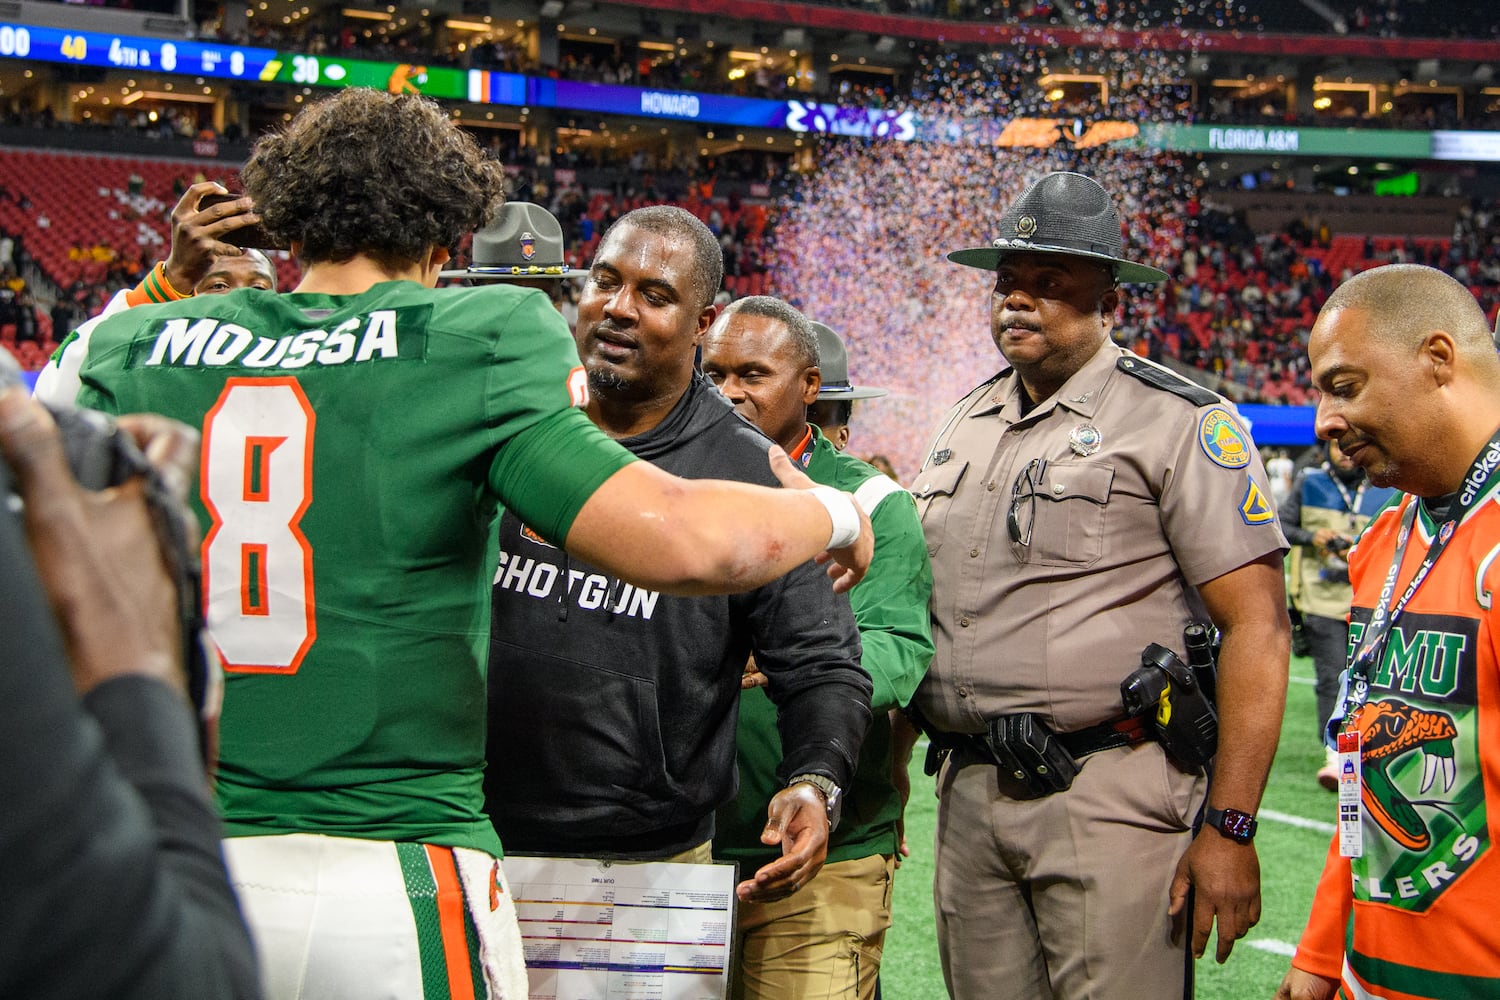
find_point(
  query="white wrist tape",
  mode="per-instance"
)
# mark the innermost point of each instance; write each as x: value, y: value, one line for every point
x: 842, y: 511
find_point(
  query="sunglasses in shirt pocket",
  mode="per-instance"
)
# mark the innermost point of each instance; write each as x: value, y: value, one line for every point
x: 1067, y: 507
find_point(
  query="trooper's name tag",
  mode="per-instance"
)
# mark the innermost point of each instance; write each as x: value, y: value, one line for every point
x: 1351, y: 827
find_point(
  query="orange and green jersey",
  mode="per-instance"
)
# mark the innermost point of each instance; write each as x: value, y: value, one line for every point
x: 1414, y: 916
x: 355, y: 451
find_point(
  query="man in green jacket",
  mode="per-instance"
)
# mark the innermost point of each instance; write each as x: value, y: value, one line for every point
x: 826, y: 938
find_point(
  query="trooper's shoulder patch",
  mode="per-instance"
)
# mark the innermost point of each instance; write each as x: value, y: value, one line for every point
x: 1222, y: 440
x: 1167, y: 381
x: 1255, y: 508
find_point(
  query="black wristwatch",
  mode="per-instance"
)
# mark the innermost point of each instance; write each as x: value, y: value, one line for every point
x: 833, y: 795
x: 1237, y: 826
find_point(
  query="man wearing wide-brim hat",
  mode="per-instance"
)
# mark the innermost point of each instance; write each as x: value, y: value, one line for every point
x: 1079, y: 506
x: 522, y: 244
x: 835, y: 403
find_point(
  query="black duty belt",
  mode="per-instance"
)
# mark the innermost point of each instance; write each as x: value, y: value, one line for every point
x: 1122, y: 731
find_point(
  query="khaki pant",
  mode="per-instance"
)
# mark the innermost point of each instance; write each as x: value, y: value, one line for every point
x: 703, y: 854
x: 822, y: 941
x: 1064, y: 896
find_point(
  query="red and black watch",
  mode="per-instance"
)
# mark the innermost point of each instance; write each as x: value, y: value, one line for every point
x: 1237, y: 826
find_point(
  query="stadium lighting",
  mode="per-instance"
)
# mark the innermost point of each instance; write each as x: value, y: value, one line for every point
x: 1051, y: 80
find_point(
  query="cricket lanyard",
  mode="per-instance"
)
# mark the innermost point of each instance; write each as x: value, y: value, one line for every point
x: 1377, y: 633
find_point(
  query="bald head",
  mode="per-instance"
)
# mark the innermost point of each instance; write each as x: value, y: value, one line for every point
x: 1408, y: 377
x: 1410, y: 301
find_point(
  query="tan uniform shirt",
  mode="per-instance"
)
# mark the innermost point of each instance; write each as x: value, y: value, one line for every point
x: 1174, y: 496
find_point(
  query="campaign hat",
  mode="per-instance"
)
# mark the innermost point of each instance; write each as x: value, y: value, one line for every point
x: 1062, y: 213
x: 833, y: 362
x: 523, y: 240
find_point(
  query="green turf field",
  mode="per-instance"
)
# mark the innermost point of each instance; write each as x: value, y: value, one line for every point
x: 1291, y: 857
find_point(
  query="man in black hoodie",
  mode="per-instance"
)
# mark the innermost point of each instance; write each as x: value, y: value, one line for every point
x: 612, y: 709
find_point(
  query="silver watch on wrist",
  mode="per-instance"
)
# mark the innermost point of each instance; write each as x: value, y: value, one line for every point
x: 833, y: 795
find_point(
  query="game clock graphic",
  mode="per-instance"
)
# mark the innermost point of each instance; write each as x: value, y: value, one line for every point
x: 1423, y: 793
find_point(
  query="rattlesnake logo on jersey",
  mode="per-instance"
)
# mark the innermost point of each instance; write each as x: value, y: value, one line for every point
x: 1388, y: 730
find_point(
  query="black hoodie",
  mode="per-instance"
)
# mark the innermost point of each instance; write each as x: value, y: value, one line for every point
x: 612, y: 710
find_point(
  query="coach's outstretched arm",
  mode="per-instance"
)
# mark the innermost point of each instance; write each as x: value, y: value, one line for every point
x: 706, y: 536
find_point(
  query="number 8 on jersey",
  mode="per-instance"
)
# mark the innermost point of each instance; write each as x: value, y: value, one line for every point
x: 257, y: 484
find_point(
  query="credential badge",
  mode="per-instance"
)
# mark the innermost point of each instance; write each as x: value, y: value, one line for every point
x: 528, y: 246
x: 1026, y: 227
x: 1085, y: 440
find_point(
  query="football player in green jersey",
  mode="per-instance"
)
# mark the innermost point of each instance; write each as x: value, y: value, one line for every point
x: 358, y: 436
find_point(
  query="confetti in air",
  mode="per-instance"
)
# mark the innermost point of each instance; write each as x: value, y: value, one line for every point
x: 861, y: 240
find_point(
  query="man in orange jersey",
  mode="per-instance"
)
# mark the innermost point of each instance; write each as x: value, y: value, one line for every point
x: 1410, y: 388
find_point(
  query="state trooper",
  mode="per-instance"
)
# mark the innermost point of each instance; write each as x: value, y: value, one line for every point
x: 1079, y: 506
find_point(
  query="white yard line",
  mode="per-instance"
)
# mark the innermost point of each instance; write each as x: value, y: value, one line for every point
x: 1272, y: 816
x: 1273, y: 946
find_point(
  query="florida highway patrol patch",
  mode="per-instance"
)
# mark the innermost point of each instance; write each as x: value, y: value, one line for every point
x: 1222, y: 440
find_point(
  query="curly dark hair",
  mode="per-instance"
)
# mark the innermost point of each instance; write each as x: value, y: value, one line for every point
x: 373, y: 174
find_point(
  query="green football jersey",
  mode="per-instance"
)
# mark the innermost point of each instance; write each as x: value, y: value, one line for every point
x: 354, y: 450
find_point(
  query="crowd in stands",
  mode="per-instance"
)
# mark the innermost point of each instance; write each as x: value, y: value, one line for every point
x: 1243, y: 303
x: 1239, y: 308
x: 87, y: 225
x: 421, y: 40
x: 1467, y: 19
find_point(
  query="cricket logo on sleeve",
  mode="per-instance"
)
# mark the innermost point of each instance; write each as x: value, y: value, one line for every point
x: 1222, y: 440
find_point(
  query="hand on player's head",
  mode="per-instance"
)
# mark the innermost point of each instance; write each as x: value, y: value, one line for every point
x: 199, y: 232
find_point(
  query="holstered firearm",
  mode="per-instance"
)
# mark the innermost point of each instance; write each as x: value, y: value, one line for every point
x: 1178, y: 699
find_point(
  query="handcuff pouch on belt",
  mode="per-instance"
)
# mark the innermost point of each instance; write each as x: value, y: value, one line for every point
x: 1027, y: 750
x: 1028, y: 754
